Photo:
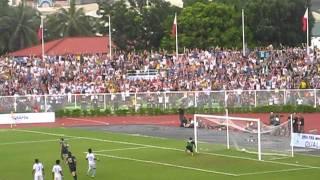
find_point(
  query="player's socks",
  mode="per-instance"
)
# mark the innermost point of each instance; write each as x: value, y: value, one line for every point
x: 75, y: 177
x: 93, y: 172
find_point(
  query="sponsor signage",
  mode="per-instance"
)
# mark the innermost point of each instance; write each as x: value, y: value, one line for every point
x: 24, y: 118
x: 306, y: 140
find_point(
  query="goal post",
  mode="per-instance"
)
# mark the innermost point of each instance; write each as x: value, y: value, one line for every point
x: 249, y: 135
x: 291, y: 133
x: 224, y: 122
x: 228, y: 137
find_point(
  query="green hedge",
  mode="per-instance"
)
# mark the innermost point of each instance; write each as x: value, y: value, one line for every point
x: 191, y: 110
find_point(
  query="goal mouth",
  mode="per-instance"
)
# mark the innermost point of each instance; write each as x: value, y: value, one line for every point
x: 247, y: 137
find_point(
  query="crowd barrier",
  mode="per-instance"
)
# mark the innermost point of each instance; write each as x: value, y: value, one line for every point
x: 311, y: 141
x: 25, y: 118
x: 164, y: 100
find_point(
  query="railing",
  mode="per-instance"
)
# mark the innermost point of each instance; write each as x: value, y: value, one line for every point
x: 141, y: 74
x: 164, y: 100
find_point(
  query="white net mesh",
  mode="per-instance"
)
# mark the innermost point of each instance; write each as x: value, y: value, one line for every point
x: 243, y: 136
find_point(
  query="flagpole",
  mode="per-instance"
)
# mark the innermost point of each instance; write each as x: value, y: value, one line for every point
x: 110, y: 43
x: 308, y: 31
x: 42, y: 39
x: 243, y: 40
x: 177, y: 53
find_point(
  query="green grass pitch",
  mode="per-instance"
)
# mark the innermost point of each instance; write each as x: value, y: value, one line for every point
x: 127, y: 157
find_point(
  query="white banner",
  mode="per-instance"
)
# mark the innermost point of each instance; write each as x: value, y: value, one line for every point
x: 23, y: 118
x: 306, y: 140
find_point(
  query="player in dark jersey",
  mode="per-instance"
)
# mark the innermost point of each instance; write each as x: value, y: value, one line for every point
x: 190, y: 146
x: 72, y: 163
x: 64, y: 150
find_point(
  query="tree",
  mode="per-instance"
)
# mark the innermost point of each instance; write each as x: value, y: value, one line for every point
x: 154, y: 18
x: 273, y: 21
x: 3, y: 4
x: 187, y: 3
x: 136, y: 26
x: 3, y: 9
x: 18, y: 28
x: 123, y: 22
x: 69, y: 22
x: 204, y: 25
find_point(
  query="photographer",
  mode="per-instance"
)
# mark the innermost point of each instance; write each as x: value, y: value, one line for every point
x: 274, y: 119
x: 295, y: 123
x: 181, y: 116
x: 301, y: 124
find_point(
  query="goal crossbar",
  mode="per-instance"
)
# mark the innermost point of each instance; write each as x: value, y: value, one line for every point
x: 227, y: 117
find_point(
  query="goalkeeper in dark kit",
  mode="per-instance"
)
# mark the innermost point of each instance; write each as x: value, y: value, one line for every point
x: 190, y: 146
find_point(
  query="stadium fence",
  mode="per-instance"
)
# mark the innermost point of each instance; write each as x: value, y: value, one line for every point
x: 163, y: 100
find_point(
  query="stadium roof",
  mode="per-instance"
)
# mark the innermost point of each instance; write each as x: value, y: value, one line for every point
x: 70, y: 45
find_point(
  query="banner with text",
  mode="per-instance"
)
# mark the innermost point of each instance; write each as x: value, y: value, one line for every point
x: 306, y: 140
x: 24, y: 118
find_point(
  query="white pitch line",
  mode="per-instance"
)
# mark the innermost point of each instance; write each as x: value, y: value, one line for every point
x: 40, y: 132
x: 27, y: 142
x: 275, y: 171
x: 120, y: 149
x: 167, y: 164
x: 311, y: 155
x: 30, y: 142
x: 167, y: 148
x: 278, y: 158
x: 141, y: 135
x: 4, y: 130
x: 89, y: 120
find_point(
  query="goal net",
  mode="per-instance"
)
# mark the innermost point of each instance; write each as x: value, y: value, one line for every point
x: 247, y: 137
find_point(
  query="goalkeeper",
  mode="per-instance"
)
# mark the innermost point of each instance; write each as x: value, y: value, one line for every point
x: 190, y: 146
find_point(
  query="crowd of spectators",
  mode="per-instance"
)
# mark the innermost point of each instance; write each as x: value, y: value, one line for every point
x: 214, y: 69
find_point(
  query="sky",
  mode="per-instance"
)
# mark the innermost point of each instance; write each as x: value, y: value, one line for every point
x: 178, y: 2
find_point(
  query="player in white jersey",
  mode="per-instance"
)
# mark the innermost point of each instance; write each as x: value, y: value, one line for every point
x: 57, y: 171
x: 91, y: 163
x: 38, y: 170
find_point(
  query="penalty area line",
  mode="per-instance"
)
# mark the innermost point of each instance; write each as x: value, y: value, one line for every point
x: 4, y: 130
x: 167, y: 164
x: 275, y: 171
x: 34, y: 141
x: 120, y: 149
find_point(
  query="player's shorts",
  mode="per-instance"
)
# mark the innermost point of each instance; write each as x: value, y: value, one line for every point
x: 38, y: 177
x: 189, y: 148
x: 92, y: 166
x: 57, y: 177
x: 64, y: 156
x: 73, y: 168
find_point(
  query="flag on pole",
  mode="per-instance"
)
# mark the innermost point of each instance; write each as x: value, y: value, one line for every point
x: 174, y: 33
x: 243, y: 38
x: 40, y: 37
x: 40, y: 31
x: 305, y: 21
x: 305, y: 27
x: 174, y: 26
x: 110, y: 41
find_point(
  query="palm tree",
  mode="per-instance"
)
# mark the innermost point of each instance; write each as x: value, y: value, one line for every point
x: 71, y: 22
x: 18, y: 28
